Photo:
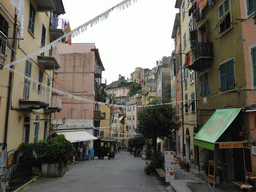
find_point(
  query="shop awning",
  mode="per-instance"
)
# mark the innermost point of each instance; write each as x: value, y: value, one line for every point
x: 77, y: 136
x: 215, y: 127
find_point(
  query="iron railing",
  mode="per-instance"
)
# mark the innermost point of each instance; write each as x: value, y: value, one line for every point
x: 3, y: 49
x: 17, y: 175
x: 203, y: 50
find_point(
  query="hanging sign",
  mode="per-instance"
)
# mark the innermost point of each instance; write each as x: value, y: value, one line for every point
x: 169, y: 166
x: 230, y: 145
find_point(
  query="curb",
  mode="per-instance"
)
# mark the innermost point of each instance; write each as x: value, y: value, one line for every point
x: 26, y: 184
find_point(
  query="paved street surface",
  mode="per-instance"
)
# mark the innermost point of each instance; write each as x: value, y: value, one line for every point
x: 124, y: 173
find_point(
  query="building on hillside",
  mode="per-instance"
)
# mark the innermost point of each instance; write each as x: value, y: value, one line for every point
x: 139, y: 75
x: 249, y: 48
x: 120, y: 95
x: 132, y: 110
x: 176, y: 82
x: 105, y: 123
x: 115, y: 84
x: 80, y: 75
x: 163, y: 80
x: 118, y: 126
x: 25, y: 94
x: 217, y: 56
x: 149, y: 90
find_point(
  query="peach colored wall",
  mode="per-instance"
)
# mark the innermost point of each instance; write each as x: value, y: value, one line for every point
x: 249, y: 41
x: 76, y: 76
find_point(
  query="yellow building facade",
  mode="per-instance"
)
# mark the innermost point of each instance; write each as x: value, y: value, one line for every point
x: 29, y: 106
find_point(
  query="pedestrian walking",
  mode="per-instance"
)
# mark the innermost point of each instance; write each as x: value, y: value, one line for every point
x: 92, y: 153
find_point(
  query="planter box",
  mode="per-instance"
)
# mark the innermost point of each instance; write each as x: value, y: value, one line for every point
x: 54, y: 169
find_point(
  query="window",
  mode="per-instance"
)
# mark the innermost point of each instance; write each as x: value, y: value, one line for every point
x: 191, y: 24
x: 26, y: 130
x: 186, y: 102
x: 193, y: 102
x: 253, y: 52
x: 227, y: 77
x: 184, y: 41
x: 174, y: 67
x: 4, y: 27
x: 204, y: 85
x: 26, y: 88
x: 37, y: 125
x: 40, y: 79
x: 43, y: 38
x: 45, y: 130
x: 192, y: 76
x: 251, y: 6
x: 183, y: 10
x: 224, y: 17
x: 31, y: 21
x: 186, y: 78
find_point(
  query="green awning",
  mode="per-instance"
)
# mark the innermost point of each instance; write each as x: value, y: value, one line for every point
x: 215, y: 127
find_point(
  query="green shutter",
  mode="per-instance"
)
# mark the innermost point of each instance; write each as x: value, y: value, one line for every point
x: 202, y: 85
x: 206, y: 84
x: 230, y: 75
x: 251, y: 6
x: 254, y: 64
x: 223, y: 77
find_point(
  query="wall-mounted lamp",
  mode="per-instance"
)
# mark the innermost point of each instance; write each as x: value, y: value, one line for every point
x: 254, y: 18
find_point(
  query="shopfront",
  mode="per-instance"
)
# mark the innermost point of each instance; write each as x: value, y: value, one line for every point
x: 224, y: 144
x: 82, y: 142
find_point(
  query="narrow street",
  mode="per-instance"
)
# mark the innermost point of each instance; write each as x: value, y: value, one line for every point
x: 124, y: 173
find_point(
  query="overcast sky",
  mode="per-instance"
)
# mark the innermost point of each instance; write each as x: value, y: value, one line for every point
x: 135, y: 37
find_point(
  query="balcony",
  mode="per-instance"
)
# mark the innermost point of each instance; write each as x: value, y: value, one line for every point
x: 50, y: 63
x: 29, y: 105
x: 97, y: 115
x: 57, y: 27
x: 50, y: 5
x: 97, y: 75
x: 201, y: 56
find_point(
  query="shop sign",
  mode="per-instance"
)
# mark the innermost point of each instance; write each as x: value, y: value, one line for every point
x: 230, y: 145
x: 169, y: 166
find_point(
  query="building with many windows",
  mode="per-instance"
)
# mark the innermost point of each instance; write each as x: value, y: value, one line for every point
x: 25, y: 91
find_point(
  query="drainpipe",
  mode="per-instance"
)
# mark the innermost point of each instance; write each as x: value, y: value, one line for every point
x: 10, y: 83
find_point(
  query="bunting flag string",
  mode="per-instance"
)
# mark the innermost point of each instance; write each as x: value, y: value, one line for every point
x: 62, y: 93
x: 77, y: 31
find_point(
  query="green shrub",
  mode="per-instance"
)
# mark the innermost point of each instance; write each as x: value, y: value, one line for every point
x: 156, y: 162
x: 57, y: 149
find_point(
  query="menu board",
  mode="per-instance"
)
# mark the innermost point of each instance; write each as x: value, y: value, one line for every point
x: 169, y: 166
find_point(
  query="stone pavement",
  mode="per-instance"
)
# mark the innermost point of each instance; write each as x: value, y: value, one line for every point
x: 188, y: 182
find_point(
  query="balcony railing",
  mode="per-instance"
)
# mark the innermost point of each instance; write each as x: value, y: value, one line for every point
x: 58, y: 27
x: 3, y: 45
x: 202, y: 55
x: 97, y: 114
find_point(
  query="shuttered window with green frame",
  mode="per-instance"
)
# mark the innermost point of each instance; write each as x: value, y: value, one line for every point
x: 253, y: 52
x: 204, y: 84
x: 26, y: 88
x: 251, y: 6
x: 227, y: 77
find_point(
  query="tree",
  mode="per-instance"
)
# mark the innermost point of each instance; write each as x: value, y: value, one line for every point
x: 137, y: 142
x: 158, y: 119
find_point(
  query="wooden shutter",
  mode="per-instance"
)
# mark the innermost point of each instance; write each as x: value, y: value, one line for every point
x: 223, y: 77
x: 253, y: 52
x: 206, y: 84
x: 230, y: 75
